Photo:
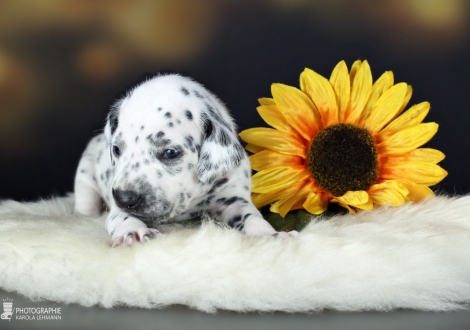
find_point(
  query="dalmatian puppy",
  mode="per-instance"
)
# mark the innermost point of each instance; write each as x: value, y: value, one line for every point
x: 169, y: 152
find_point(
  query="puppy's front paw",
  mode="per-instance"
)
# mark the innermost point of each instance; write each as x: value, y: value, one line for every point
x: 130, y: 232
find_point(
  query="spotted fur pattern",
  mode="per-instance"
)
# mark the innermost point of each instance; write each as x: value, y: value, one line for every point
x: 169, y: 152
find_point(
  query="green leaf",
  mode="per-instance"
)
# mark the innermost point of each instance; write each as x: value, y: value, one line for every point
x: 299, y: 219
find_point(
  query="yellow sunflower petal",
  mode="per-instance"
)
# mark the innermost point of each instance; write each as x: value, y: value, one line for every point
x: 297, y: 108
x: 284, y: 206
x: 417, y: 192
x: 359, y: 199
x: 407, y: 139
x: 413, y: 116
x: 409, y: 92
x: 386, y: 108
x: 274, y: 118
x: 299, y: 204
x: 277, y: 178
x: 354, y: 68
x: 380, y: 86
x: 369, y: 205
x: 262, y: 199
x: 267, y: 158
x: 254, y: 148
x: 418, y: 172
x: 314, y: 204
x: 389, y: 192
x: 419, y: 155
x: 360, y: 91
x: 319, y: 89
x: 266, y: 101
x: 274, y: 140
x: 342, y: 87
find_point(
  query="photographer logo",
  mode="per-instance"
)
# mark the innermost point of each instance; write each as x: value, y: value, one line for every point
x: 7, y: 309
x: 29, y: 313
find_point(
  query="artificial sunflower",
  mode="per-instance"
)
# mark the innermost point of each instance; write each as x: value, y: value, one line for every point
x: 343, y: 140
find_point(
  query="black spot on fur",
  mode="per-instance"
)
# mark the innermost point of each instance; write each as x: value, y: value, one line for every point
x: 159, y: 109
x: 207, y: 123
x: 184, y: 91
x: 142, y: 127
x: 231, y: 200
x: 170, y: 124
x: 136, y: 139
x: 205, y: 202
x: 158, y: 141
x: 224, y: 138
x: 168, y: 115
x: 83, y: 171
x: 189, y: 143
x: 159, y: 174
x: 216, y: 116
x: 100, y: 154
x: 198, y: 95
x: 217, y: 185
x: 234, y: 220
x: 135, y: 166
x: 188, y: 114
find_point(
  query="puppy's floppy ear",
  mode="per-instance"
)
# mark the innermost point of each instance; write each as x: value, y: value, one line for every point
x: 112, y: 123
x: 112, y: 120
x: 220, y: 150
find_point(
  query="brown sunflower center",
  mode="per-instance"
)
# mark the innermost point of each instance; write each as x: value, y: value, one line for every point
x: 343, y: 157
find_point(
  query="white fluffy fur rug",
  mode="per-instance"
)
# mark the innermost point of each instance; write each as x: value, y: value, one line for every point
x: 415, y: 256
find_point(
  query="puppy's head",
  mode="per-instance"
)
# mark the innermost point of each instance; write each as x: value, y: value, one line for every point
x: 169, y: 140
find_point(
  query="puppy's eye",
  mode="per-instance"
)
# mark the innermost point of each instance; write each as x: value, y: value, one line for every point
x: 116, y: 151
x: 170, y: 153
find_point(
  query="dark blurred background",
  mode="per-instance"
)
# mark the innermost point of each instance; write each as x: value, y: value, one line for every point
x: 63, y: 62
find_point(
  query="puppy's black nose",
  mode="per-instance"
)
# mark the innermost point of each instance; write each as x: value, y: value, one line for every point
x: 126, y: 198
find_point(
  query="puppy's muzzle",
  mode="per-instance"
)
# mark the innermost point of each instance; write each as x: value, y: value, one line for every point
x: 127, y: 199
